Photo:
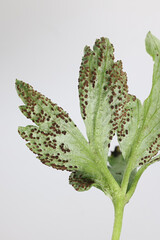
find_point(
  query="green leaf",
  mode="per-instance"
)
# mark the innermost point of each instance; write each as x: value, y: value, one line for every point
x: 55, y: 139
x: 103, y: 93
x: 152, y: 46
x: 58, y: 143
x: 149, y: 137
x: 128, y: 126
x: 142, y: 142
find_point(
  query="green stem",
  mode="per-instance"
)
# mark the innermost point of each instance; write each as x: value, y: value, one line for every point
x: 118, y: 217
x: 126, y: 176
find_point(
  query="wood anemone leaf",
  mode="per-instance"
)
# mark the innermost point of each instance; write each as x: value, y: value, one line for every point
x: 142, y: 142
x: 103, y: 94
x: 55, y: 139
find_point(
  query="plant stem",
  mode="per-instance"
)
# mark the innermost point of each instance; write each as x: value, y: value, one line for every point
x: 126, y: 176
x: 118, y: 217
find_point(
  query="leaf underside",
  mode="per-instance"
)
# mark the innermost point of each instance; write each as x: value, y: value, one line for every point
x: 142, y: 143
x: 103, y: 93
x: 55, y: 139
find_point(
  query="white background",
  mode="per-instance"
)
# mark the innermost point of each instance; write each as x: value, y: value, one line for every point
x: 41, y: 42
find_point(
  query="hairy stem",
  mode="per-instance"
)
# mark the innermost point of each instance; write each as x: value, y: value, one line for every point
x: 118, y: 217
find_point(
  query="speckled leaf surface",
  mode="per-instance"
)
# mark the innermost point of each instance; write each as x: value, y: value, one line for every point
x: 54, y: 138
x: 103, y: 93
x: 149, y: 138
x: 80, y: 182
x: 107, y: 109
x: 128, y: 126
x: 142, y: 142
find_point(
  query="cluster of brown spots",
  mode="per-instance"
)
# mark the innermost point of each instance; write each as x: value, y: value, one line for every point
x: 101, y: 49
x: 79, y: 182
x: 55, y: 128
x: 63, y: 149
x: 29, y: 95
x: 84, y: 77
x: 151, y: 151
x: 125, y: 113
x: 59, y: 167
x: 123, y: 126
x: 49, y: 142
x: 44, y: 141
x: 63, y: 115
x: 116, y: 88
x: 133, y: 97
x: 93, y: 77
x: 62, y: 165
x: 23, y: 134
x: 38, y: 107
x: 91, y: 63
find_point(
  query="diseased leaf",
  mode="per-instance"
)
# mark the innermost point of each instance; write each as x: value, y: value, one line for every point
x: 103, y: 93
x: 142, y: 142
x: 55, y: 138
x: 57, y: 141
x: 107, y: 109
x: 149, y: 138
x: 128, y: 127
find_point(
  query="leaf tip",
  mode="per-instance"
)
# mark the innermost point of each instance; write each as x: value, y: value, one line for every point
x: 152, y: 45
x: 17, y: 82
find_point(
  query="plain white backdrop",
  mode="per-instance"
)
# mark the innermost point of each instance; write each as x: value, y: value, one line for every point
x: 41, y: 42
